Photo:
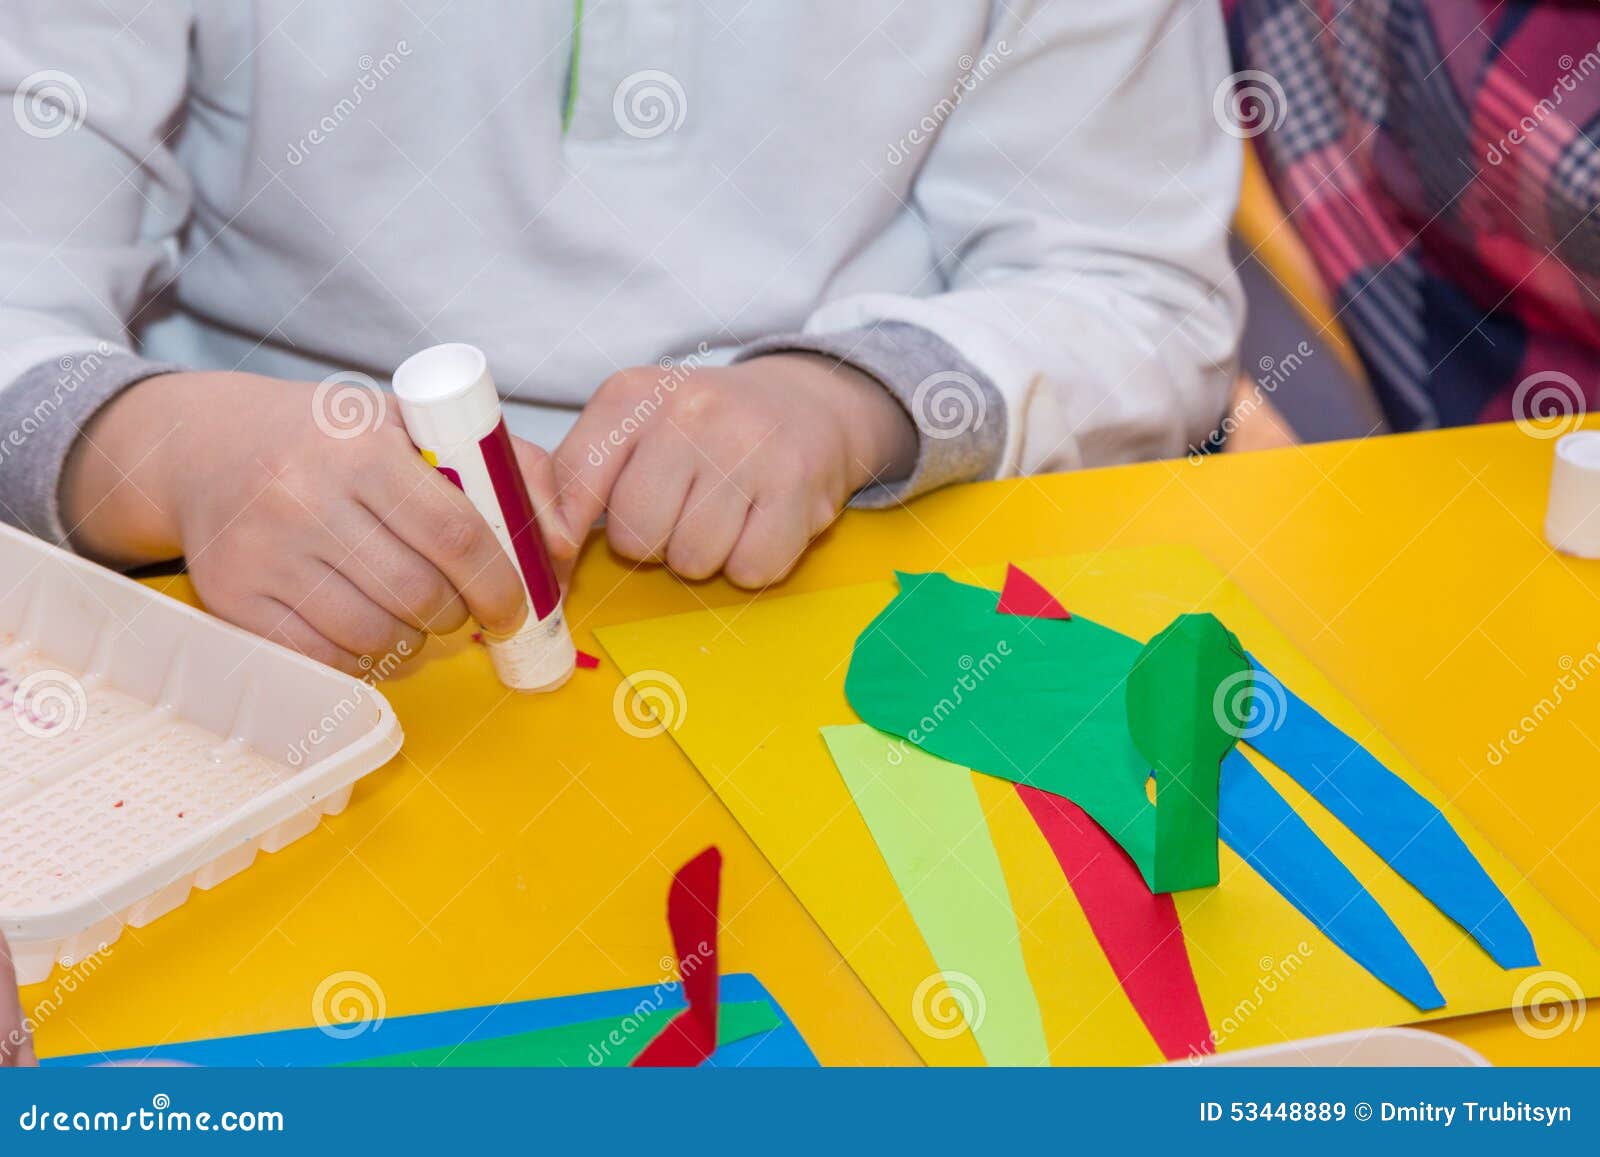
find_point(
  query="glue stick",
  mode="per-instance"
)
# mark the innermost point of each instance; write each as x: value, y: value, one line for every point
x: 452, y: 414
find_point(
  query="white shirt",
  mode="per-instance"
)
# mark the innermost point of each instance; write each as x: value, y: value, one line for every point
x: 1039, y: 183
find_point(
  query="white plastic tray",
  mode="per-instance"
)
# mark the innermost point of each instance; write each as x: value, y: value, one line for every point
x: 1368, y: 1048
x: 147, y: 749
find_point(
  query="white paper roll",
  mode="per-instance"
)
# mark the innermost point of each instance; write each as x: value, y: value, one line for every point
x: 1572, y: 523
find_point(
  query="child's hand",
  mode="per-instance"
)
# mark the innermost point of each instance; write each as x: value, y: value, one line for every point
x: 732, y: 468
x: 16, y: 1046
x: 314, y: 524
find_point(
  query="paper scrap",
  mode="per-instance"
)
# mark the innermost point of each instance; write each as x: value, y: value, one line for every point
x: 1036, y: 701
x: 931, y: 831
x: 692, y: 906
x: 1265, y: 831
x: 1390, y: 817
x: 1178, y: 692
x: 610, y: 1042
x: 781, y: 1047
x: 1023, y: 595
x: 1137, y: 930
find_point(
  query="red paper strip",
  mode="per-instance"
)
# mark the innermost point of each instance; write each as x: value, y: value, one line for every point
x: 692, y: 904
x: 587, y: 661
x: 1138, y: 930
x: 1022, y: 595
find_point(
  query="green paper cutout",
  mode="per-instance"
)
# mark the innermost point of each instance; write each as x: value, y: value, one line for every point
x: 1179, y: 693
x: 925, y: 816
x: 1035, y: 701
x: 587, y: 1044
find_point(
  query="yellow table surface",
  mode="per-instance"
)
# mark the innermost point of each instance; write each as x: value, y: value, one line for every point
x: 521, y: 847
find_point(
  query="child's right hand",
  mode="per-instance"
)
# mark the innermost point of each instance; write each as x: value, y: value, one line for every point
x: 311, y: 523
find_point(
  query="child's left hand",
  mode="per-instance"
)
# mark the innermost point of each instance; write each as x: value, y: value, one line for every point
x: 16, y: 1046
x: 730, y: 468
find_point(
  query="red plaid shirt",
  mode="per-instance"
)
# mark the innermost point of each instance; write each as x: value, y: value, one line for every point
x: 1440, y: 159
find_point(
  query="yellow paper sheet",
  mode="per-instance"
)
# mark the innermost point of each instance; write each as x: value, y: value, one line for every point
x: 759, y: 681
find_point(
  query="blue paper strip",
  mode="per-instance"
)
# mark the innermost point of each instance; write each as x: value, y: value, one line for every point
x: 782, y: 1047
x: 1260, y: 826
x: 1387, y: 814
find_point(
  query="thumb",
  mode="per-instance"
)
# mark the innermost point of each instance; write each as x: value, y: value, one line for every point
x: 538, y: 473
x: 588, y: 463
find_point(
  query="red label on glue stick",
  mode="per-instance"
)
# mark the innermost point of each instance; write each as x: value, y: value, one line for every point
x: 521, y: 522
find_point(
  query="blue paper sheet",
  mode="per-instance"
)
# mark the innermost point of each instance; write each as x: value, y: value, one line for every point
x: 1260, y: 826
x: 1388, y: 815
x: 782, y: 1047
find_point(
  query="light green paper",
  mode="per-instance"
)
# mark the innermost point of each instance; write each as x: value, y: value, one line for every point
x: 587, y: 1044
x: 925, y: 816
x: 1183, y: 694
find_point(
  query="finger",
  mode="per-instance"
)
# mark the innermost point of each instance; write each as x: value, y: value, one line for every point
x: 341, y: 613
x: 539, y: 473
x: 712, y: 520
x: 16, y: 1045
x: 391, y: 574
x: 437, y: 521
x: 648, y: 499
x: 774, y: 537
x: 274, y: 620
x: 591, y: 458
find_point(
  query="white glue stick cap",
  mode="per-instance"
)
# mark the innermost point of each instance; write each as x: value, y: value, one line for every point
x: 1572, y: 523
x: 447, y: 395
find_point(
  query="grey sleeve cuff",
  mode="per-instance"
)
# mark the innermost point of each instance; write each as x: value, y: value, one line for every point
x: 41, y: 415
x: 959, y: 414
